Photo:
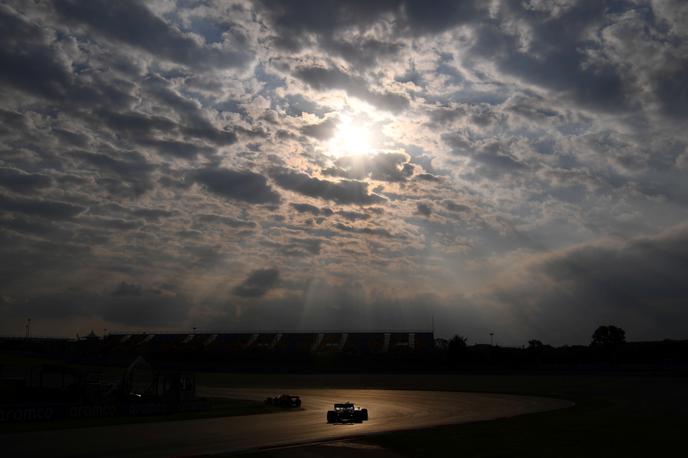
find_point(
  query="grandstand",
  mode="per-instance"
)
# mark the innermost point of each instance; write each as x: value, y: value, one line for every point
x: 269, y: 343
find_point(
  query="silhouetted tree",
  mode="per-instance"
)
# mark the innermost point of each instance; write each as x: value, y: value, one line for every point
x: 535, y: 350
x: 457, y: 346
x: 608, y: 336
x: 535, y: 345
x: 458, y: 342
x: 441, y: 344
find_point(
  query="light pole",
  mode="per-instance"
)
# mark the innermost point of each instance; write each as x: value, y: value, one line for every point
x: 28, y: 327
x: 492, y: 339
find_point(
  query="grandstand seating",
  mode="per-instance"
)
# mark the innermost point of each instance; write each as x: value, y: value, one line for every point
x: 296, y: 343
x: 365, y: 343
x: 226, y: 343
x: 401, y: 342
x: 287, y: 343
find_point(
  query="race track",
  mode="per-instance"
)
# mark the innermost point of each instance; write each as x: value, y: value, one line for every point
x: 388, y: 409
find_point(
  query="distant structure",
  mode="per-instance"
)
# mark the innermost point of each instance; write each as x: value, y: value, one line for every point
x: 271, y: 343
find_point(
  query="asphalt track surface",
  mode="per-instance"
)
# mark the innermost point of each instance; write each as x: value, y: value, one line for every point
x: 389, y: 410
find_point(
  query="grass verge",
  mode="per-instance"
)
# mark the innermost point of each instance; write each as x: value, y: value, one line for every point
x: 616, y: 416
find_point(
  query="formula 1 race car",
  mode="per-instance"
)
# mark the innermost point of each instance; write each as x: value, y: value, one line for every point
x: 284, y: 400
x: 347, y: 413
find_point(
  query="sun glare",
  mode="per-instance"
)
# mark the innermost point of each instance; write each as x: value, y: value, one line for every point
x: 351, y: 139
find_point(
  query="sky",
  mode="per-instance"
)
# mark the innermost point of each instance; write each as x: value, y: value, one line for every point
x: 509, y: 167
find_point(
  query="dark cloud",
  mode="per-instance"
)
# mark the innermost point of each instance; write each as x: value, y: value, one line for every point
x: 460, y: 143
x: 444, y: 14
x: 295, y: 20
x: 305, y: 208
x: 258, y: 283
x: 137, y: 307
x: 23, y: 182
x: 324, y: 16
x: 11, y: 121
x: 132, y: 23
x: 32, y: 226
x: 297, y: 104
x: 126, y: 289
x: 109, y: 224
x: 322, y: 78
x: 134, y: 305
x: 426, y: 177
x: 453, y: 206
x: 384, y: 167
x: 312, y: 209
x: 175, y: 148
x: 130, y: 175
x: 343, y: 192
x: 363, y: 52
x: 639, y: 284
x: 423, y: 209
x: 49, y: 209
x: 672, y: 90
x: 561, y: 55
x: 36, y: 64
x: 237, y: 185
x: 378, y: 231
x: 309, y: 245
x: 44, y: 308
x: 321, y: 131
x: 226, y: 220
x: 492, y: 158
x: 495, y: 159
x: 353, y: 216
x: 152, y: 214
x: 29, y: 63
x: 133, y: 124
x: 144, y: 130
x: 297, y: 246
x: 194, y: 122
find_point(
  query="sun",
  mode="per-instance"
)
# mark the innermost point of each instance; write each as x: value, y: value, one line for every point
x: 350, y: 139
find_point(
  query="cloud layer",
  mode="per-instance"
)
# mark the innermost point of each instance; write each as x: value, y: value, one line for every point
x: 516, y: 167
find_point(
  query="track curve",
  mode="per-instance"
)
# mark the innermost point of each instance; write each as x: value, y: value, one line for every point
x: 389, y: 410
